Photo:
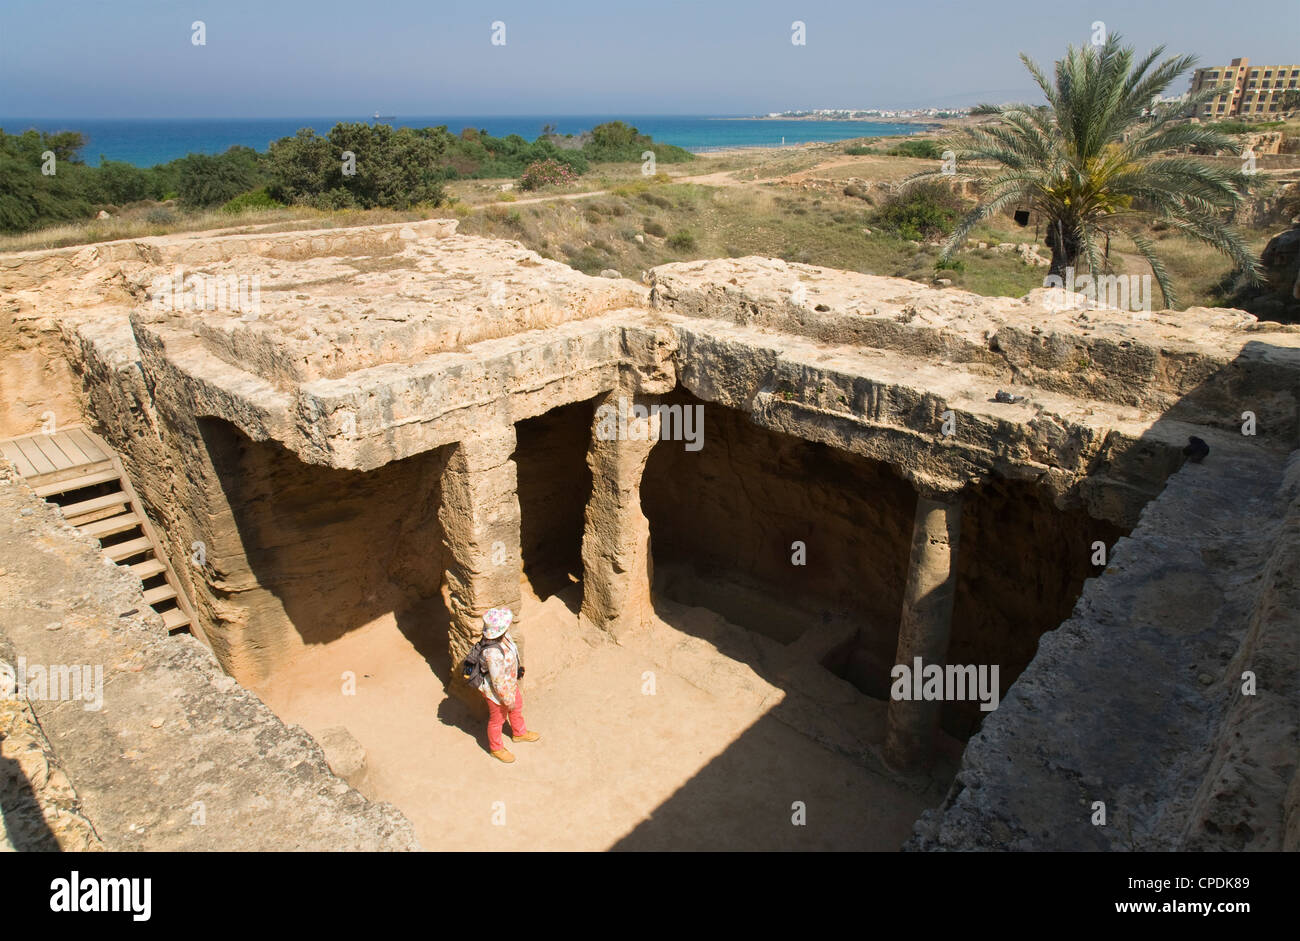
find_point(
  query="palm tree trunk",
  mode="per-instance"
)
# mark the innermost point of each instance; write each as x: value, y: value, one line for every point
x: 1066, y: 246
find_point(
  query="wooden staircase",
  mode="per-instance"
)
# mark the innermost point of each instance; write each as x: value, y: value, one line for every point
x: 77, y: 471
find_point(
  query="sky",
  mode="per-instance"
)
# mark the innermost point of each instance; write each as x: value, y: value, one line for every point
x: 279, y: 58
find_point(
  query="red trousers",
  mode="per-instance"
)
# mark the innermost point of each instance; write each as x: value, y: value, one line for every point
x: 497, y: 717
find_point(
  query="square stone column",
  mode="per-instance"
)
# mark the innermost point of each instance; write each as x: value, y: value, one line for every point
x: 925, y: 625
x: 479, y: 514
x: 616, y: 563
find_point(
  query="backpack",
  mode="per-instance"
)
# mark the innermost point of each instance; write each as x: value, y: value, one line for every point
x: 473, y: 668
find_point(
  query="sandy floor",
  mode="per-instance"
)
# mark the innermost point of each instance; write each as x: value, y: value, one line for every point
x: 684, y: 768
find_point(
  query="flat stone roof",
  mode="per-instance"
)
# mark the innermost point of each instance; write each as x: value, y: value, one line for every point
x: 374, y: 343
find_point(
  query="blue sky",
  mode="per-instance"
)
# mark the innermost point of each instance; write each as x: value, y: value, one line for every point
x: 135, y: 58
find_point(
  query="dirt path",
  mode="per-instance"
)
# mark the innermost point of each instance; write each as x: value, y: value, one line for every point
x: 615, y: 768
x: 724, y: 178
x: 546, y: 199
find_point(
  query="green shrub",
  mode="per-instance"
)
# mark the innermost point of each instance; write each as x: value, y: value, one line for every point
x: 588, y: 261
x: 619, y: 142
x: 258, y: 199
x: 924, y: 149
x: 920, y: 212
x: 389, y: 169
x: 119, y: 183
x: 857, y: 150
x: 682, y: 241
x: 654, y: 228
x: 206, y: 180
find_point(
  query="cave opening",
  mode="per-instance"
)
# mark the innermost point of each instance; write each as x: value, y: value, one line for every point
x: 554, y: 486
x: 780, y: 535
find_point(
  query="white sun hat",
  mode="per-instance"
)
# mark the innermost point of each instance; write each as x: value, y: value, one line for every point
x: 496, y: 622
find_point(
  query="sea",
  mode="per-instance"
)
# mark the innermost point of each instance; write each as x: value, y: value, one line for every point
x: 150, y: 141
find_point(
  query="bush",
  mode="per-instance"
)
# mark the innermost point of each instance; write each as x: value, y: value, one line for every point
x: 858, y: 150
x: 212, y: 181
x: 921, y: 212
x: 654, y: 228
x: 682, y: 241
x: 390, y: 169
x: 258, y: 199
x: 616, y: 141
x: 924, y: 149
x: 509, y: 217
x: 588, y: 260
x: 548, y: 172
x: 120, y: 183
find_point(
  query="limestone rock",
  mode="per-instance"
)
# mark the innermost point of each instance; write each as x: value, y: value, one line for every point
x: 345, y: 755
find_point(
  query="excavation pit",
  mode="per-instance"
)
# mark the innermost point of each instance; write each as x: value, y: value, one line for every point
x: 346, y: 483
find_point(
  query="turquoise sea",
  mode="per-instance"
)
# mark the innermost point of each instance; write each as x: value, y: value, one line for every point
x: 145, y: 142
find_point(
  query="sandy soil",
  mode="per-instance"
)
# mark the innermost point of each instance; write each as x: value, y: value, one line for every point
x: 684, y: 768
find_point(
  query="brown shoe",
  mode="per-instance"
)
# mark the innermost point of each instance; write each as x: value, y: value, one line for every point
x: 502, y: 755
x: 529, y: 736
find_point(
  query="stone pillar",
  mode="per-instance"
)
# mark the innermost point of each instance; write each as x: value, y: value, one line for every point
x: 479, y: 514
x: 926, y: 623
x: 616, y: 564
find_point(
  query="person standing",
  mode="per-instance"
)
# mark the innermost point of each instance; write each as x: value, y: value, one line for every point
x: 503, y: 669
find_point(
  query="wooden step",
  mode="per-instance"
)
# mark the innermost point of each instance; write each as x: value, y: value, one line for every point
x: 114, y: 524
x: 175, y: 619
x: 67, y: 486
x: 161, y: 593
x: 86, y: 507
x: 147, y: 569
x: 124, y: 550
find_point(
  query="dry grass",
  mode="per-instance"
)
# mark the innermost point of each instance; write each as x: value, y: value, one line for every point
x: 139, y: 223
x: 638, y: 226
x: 1201, y: 276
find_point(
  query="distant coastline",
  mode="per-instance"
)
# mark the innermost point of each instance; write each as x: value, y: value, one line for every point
x: 903, y: 119
x: 149, y: 142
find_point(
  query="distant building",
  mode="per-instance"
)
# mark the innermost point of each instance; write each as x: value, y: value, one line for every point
x: 1245, y: 90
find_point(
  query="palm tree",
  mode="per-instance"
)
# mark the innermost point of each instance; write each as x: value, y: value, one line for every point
x: 1098, y: 160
